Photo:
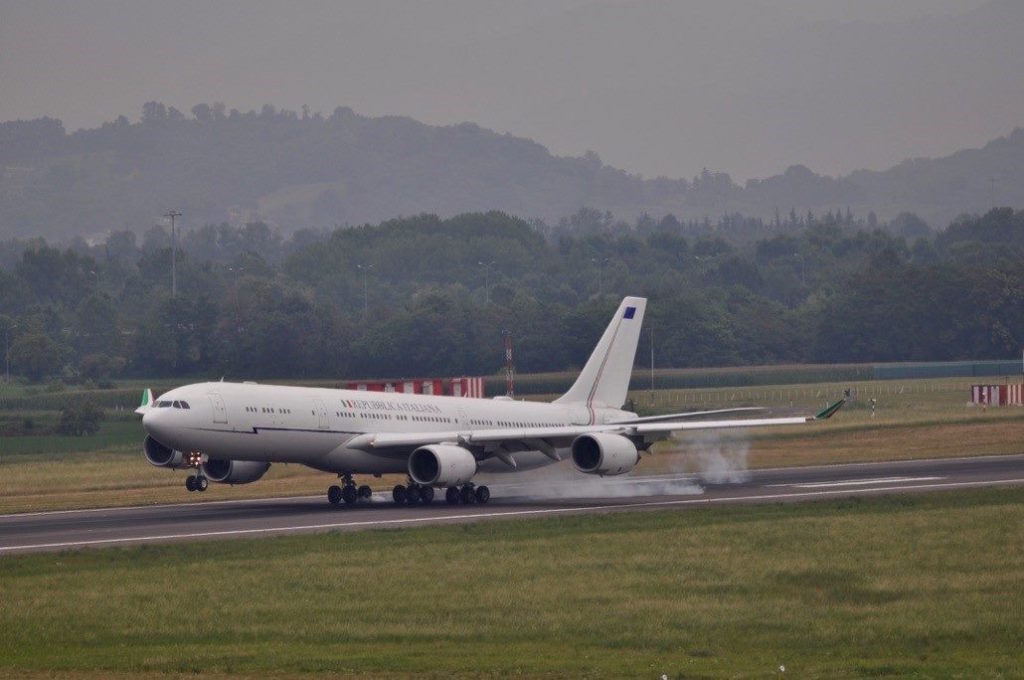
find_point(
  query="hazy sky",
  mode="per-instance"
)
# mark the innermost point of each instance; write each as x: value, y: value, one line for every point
x: 660, y: 88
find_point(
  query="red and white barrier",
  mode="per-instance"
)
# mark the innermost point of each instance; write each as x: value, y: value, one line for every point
x: 997, y: 395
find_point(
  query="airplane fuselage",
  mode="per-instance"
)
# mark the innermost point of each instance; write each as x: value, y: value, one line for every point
x: 313, y: 426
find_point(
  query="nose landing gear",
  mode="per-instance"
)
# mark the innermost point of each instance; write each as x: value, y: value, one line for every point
x: 198, y: 481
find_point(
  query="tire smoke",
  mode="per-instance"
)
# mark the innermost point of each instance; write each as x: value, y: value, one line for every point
x: 692, y: 460
x: 719, y: 458
x: 563, y: 481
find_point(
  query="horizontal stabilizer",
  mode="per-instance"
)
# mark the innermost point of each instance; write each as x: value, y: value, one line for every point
x: 830, y: 410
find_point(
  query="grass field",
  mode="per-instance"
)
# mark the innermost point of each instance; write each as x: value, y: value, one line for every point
x: 912, y: 419
x: 115, y: 434
x: 912, y: 586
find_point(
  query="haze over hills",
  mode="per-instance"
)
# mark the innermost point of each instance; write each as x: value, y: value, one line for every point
x: 661, y: 87
x: 300, y: 170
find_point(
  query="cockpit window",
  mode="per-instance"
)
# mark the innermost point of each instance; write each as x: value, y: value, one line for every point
x: 184, y: 404
x: 176, y: 404
x: 163, y: 404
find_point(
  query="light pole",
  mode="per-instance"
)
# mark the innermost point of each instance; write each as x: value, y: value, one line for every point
x: 702, y: 260
x: 174, y: 253
x: 365, y: 268
x: 600, y: 273
x: 487, y: 287
x: 7, y: 352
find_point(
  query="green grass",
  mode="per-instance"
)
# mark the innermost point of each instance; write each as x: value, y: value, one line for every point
x: 115, y: 434
x: 919, y: 586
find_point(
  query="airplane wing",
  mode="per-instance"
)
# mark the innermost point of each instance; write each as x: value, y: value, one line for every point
x: 502, y: 441
x: 691, y: 414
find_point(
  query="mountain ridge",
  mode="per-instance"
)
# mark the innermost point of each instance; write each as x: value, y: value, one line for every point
x: 296, y: 171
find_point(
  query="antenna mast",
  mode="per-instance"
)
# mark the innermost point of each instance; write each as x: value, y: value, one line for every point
x: 652, y: 365
x: 174, y: 253
x: 510, y: 366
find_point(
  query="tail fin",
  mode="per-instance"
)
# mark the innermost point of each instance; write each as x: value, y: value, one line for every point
x: 604, y: 380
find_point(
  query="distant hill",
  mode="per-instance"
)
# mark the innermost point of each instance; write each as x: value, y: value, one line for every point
x: 938, y: 190
x: 301, y: 171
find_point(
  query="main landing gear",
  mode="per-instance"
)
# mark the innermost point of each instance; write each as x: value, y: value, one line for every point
x: 198, y: 481
x: 406, y: 494
x: 413, y: 494
x: 348, y: 493
x: 467, y: 495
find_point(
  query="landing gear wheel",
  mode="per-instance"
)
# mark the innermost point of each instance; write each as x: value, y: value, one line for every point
x: 365, y: 492
x: 190, y: 483
x: 483, y: 494
x: 202, y: 483
x: 399, y: 494
x: 453, y: 496
x: 334, y: 495
x: 349, y: 495
x: 468, y: 497
x: 413, y: 495
x: 426, y: 495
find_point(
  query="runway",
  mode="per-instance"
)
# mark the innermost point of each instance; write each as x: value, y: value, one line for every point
x: 73, y: 529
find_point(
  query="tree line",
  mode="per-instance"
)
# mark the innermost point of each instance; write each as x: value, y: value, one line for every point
x: 427, y: 296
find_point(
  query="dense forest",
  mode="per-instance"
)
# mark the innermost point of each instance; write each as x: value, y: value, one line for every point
x: 297, y: 170
x: 426, y: 296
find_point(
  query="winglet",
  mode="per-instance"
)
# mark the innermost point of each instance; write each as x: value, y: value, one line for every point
x: 147, y: 401
x: 830, y: 410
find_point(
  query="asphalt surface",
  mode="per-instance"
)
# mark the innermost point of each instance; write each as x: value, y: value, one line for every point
x: 72, y: 529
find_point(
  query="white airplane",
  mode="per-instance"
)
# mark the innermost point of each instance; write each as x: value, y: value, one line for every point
x: 230, y: 433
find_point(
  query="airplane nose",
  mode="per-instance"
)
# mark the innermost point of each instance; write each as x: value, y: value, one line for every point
x: 152, y: 421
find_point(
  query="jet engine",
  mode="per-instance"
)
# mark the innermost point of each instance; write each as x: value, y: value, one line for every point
x: 234, y: 471
x: 604, y: 454
x: 441, y: 465
x: 162, y: 456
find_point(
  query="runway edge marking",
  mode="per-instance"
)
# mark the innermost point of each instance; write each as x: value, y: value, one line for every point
x: 857, y: 482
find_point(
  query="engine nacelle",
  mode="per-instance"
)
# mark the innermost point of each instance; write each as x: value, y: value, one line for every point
x: 441, y: 465
x: 163, y: 456
x: 234, y: 471
x: 604, y: 454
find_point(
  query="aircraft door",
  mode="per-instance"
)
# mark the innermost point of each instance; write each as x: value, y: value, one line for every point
x: 463, y: 420
x: 220, y: 412
x: 321, y: 414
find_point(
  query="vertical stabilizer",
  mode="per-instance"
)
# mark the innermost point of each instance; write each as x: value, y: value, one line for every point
x: 604, y: 380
